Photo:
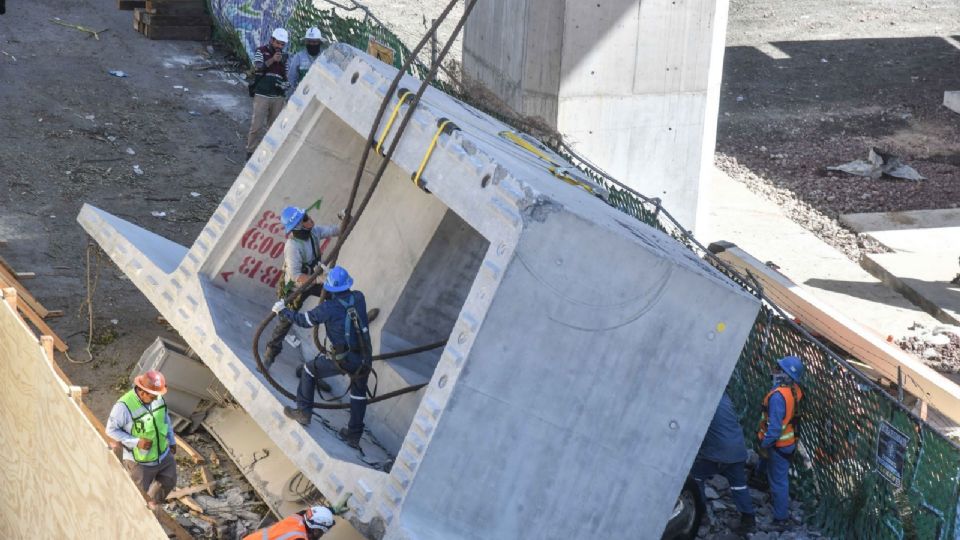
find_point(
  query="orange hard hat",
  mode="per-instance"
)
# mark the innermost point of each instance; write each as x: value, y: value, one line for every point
x: 152, y: 382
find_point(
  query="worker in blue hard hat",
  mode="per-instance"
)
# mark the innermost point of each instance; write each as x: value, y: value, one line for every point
x: 777, y: 434
x: 302, y: 252
x: 350, y: 352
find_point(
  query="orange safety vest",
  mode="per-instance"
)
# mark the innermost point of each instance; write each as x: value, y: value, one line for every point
x: 791, y: 396
x: 289, y: 528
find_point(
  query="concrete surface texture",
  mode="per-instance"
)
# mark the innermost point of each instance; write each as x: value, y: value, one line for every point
x: 951, y: 100
x: 761, y: 229
x: 58, y: 479
x: 632, y: 85
x: 923, y: 257
x: 570, y: 326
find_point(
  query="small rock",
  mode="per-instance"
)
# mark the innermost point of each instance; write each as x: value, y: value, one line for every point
x: 718, y: 482
x: 937, y: 340
x: 130, y: 151
x: 137, y: 170
x: 205, y: 528
x: 930, y: 353
x: 710, y: 492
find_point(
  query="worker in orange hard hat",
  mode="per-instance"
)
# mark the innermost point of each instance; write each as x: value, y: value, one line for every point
x: 140, y: 423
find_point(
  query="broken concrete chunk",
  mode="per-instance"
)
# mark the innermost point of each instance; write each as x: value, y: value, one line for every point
x: 879, y: 163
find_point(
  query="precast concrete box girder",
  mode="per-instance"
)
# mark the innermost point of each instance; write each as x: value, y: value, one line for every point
x: 585, y: 350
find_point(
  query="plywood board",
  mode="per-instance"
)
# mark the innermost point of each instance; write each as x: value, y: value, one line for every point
x: 862, y: 343
x: 51, y: 452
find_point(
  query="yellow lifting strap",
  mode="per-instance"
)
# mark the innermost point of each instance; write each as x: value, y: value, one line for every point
x: 442, y: 126
x: 404, y: 94
x: 556, y: 169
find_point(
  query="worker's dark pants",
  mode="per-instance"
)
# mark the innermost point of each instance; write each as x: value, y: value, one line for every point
x: 275, y: 345
x: 777, y: 468
x: 736, y: 475
x: 155, y: 480
x: 322, y: 367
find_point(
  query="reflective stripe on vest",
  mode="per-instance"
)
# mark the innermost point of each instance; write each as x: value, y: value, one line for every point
x: 149, y: 422
x: 791, y: 398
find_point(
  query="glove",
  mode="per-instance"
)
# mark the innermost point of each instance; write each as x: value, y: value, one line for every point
x: 144, y: 444
x: 278, y: 307
x: 764, y: 453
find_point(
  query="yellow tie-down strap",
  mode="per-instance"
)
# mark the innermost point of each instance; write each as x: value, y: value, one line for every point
x: 557, y: 169
x: 403, y: 94
x: 444, y: 125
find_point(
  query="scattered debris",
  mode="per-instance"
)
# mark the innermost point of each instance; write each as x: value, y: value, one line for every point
x: 130, y: 151
x: 137, y: 170
x: 939, y: 347
x: 117, y: 73
x: 879, y: 163
x: 12, y: 57
x: 158, y: 214
x: 91, y: 31
x: 194, y: 194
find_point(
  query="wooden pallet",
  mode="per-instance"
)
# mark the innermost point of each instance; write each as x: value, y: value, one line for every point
x: 176, y: 7
x: 127, y: 5
x: 156, y: 24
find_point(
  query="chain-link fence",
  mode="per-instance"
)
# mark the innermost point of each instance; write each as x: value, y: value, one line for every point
x: 857, y: 442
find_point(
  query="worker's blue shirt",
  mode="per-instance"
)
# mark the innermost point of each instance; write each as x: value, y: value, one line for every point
x: 776, y: 410
x: 333, y: 315
x: 723, y: 442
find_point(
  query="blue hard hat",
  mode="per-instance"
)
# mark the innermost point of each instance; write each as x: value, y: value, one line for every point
x: 338, y: 280
x: 792, y: 366
x: 291, y: 217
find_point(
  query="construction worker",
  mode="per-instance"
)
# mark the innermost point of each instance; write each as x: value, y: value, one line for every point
x: 777, y: 434
x: 269, y: 87
x: 301, y: 253
x: 140, y: 423
x: 314, y: 44
x: 344, y: 315
x: 305, y: 525
x: 724, y: 451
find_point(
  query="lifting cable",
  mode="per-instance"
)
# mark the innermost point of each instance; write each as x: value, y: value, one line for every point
x: 349, y: 222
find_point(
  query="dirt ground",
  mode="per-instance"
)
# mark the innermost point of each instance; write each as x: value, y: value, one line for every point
x: 807, y: 84
x: 73, y: 134
x: 816, y: 83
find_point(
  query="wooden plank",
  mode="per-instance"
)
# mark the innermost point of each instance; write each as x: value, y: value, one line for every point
x: 176, y: 8
x: 127, y: 5
x: 9, y: 280
x: 188, y: 501
x: 175, y: 20
x: 183, y: 492
x: 207, y: 479
x: 183, y: 33
x: 10, y: 296
x: 859, y: 341
x: 25, y: 275
x: 37, y: 321
x: 194, y: 455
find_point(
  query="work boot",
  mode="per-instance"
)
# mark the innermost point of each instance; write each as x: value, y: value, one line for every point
x: 352, y: 439
x: 747, y: 523
x: 372, y: 314
x: 303, y: 417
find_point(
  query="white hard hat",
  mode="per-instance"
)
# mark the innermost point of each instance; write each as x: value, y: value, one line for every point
x: 319, y: 517
x: 280, y: 34
x: 314, y: 33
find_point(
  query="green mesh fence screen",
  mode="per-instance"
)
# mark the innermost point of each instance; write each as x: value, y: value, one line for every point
x: 835, y: 474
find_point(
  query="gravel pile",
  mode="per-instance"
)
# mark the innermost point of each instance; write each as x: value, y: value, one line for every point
x: 939, y: 347
x: 826, y: 227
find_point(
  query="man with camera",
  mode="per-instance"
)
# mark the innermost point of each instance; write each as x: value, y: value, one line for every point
x: 268, y: 88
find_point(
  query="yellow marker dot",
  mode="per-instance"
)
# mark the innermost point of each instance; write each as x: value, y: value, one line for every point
x: 721, y: 327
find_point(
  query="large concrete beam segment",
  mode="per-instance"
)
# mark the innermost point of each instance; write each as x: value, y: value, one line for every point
x: 633, y: 85
x: 577, y: 337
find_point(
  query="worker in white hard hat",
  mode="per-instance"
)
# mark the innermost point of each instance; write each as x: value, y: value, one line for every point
x: 313, y: 44
x: 308, y: 524
x: 140, y: 423
x: 269, y: 86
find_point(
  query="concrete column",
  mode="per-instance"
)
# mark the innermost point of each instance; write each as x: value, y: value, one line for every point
x: 634, y: 86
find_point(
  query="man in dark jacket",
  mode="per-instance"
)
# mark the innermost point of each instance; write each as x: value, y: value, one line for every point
x: 270, y: 67
x: 724, y: 451
x: 344, y: 316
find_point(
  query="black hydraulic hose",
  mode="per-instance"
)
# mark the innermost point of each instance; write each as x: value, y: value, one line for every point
x: 408, y: 352
x: 348, y: 223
